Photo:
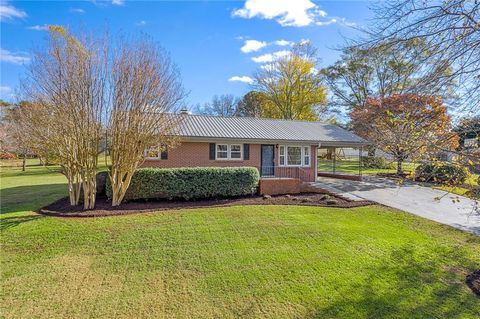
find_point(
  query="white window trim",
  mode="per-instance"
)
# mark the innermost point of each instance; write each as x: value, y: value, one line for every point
x: 302, y: 154
x: 158, y: 157
x: 229, y: 152
x: 159, y: 153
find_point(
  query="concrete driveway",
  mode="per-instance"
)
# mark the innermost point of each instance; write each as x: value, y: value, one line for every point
x: 437, y: 205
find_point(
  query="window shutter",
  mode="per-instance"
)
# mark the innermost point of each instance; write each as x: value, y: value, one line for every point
x: 164, y: 154
x: 246, y: 151
x: 212, y: 151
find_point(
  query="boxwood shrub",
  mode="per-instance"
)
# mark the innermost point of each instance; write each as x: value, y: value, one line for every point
x: 375, y: 162
x: 190, y: 183
x: 441, y: 173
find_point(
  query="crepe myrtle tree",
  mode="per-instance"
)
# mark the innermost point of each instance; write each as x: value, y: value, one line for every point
x: 84, y: 100
x: 405, y: 125
x: 145, y: 90
x: 65, y: 85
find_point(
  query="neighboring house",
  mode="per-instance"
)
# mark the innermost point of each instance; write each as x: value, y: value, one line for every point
x: 279, y: 149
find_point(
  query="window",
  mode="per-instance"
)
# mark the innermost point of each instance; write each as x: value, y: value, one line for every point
x: 282, y: 155
x: 222, y: 151
x: 306, y: 156
x: 294, y: 155
x: 229, y: 152
x: 152, y: 153
x: 156, y: 153
x: 235, y: 151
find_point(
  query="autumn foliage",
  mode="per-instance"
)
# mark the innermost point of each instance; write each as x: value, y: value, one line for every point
x: 405, y: 125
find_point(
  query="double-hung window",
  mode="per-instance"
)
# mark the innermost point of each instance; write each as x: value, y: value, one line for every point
x: 282, y: 155
x: 294, y: 155
x: 228, y: 152
x: 222, y: 151
x: 235, y: 151
x: 306, y: 156
x: 159, y: 152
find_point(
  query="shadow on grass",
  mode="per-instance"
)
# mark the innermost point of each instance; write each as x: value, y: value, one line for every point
x: 29, y: 198
x: 410, y: 284
x: 31, y: 171
x: 9, y: 222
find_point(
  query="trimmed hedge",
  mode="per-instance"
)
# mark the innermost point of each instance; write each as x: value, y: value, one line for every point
x: 441, y: 173
x: 190, y: 183
x: 375, y: 162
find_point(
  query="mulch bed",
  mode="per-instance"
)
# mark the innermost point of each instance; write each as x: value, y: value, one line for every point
x: 473, y: 281
x: 62, y: 208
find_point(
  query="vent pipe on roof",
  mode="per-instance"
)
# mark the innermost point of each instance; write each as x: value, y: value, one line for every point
x: 184, y: 111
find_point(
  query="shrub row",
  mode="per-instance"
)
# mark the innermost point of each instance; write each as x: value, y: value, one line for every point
x: 190, y: 183
x: 441, y: 173
x: 375, y: 162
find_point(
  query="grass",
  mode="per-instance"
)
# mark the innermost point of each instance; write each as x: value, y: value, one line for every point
x: 350, y: 166
x: 471, y: 182
x: 235, y: 262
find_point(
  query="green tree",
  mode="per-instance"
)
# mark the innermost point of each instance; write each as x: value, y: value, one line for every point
x: 293, y: 85
x: 254, y: 104
x: 383, y: 70
x: 405, y: 125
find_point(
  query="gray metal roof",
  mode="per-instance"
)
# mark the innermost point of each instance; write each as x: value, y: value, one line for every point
x: 247, y: 128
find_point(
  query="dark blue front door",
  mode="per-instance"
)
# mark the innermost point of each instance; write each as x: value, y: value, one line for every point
x: 268, y: 155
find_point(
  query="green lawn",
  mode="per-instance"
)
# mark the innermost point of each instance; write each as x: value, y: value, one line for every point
x: 235, y: 262
x: 350, y: 166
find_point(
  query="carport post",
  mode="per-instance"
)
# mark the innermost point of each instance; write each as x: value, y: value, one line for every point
x: 334, y: 159
x: 360, y: 151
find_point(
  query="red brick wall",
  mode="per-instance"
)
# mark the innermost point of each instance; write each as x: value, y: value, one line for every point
x: 196, y: 154
x: 277, y: 186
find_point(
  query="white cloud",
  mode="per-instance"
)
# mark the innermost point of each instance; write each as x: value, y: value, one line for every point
x: 244, y: 79
x: 8, y: 12
x: 39, y: 27
x: 252, y: 46
x: 77, y: 10
x: 14, y: 58
x: 141, y: 23
x: 289, y: 13
x: 297, y: 13
x: 118, y: 2
x: 283, y: 43
x: 6, y: 92
x: 328, y: 22
x: 270, y: 57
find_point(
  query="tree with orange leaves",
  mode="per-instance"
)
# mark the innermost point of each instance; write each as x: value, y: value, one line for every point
x: 405, y: 125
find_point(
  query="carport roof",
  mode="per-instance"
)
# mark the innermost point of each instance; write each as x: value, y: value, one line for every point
x: 200, y: 127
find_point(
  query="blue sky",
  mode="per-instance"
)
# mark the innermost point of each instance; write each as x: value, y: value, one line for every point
x: 217, y: 45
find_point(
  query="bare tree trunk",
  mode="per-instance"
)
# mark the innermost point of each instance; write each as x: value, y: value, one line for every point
x: 74, y: 184
x: 89, y: 188
x: 399, y: 165
x: 24, y: 162
x: 120, y: 182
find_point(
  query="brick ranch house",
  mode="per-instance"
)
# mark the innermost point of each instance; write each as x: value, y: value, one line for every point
x: 283, y: 151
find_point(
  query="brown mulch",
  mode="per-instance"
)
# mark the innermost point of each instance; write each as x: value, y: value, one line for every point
x: 473, y: 281
x: 62, y: 208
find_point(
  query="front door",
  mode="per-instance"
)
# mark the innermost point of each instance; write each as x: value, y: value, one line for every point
x: 268, y: 160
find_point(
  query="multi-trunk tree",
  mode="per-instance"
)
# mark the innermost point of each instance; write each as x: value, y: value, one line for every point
x: 84, y: 99
x: 406, y: 126
x: 145, y: 91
